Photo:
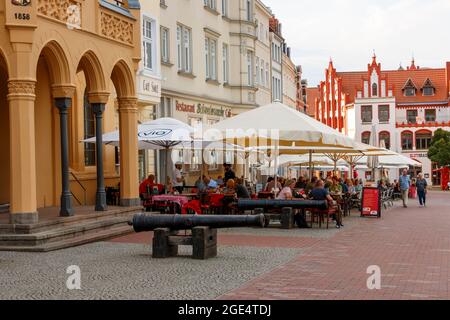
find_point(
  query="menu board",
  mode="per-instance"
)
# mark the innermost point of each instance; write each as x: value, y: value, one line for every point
x: 371, y: 202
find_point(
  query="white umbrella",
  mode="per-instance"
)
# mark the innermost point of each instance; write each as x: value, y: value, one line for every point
x: 281, y: 126
x: 159, y: 134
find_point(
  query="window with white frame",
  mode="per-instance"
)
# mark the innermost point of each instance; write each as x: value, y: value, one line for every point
x: 249, y: 10
x: 225, y: 8
x: 211, y: 58
x: 165, y: 40
x: 267, y: 75
x: 148, y: 43
x: 257, y: 81
x: 250, y: 68
x: 225, y: 63
x: 263, y: 80
x: 184, y: 49
x: 210, y: 4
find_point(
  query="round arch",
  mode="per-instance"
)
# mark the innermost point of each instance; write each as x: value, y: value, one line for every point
x: 57, y: 62
x: 4, y: 62
x: 123, y: 80
x: 93, y: 71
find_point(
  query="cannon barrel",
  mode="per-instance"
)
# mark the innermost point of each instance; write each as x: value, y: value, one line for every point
x: 142, y: 222
x: 245, y: 204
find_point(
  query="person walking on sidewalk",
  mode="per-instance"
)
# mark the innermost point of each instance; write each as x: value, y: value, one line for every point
x: 421, y: 185
x: 405, y: 184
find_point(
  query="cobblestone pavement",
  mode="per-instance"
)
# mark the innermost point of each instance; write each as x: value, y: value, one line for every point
x: 411, y: 246
x: 127, y: 271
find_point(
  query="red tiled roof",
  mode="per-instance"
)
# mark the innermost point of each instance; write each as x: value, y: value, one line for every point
x: 396, y: 79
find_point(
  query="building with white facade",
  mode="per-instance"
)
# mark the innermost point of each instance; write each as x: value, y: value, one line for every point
x: 402, y: 108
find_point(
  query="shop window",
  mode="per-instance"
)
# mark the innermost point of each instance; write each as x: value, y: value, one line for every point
x: 423, y: 140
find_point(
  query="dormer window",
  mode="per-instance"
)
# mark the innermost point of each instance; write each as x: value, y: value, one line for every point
x: 428, y: 88
x: 409, y: 90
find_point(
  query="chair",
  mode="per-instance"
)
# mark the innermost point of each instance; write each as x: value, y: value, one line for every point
x: 320, y: 214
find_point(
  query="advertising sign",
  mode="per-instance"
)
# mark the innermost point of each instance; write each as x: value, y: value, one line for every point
x: 371, y: 202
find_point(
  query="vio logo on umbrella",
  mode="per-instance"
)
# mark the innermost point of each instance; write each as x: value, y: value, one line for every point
x: 21, y: 2
x: 155, y: 133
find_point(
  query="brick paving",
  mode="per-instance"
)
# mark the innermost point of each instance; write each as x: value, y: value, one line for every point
x: 411, y: 246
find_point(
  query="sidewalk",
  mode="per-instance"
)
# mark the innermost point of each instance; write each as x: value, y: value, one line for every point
x: 411, y: 246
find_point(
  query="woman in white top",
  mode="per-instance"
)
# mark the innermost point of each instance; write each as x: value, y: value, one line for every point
x: 286, y: 192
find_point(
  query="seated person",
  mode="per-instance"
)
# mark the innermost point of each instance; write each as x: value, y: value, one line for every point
x: 152, y: 186
x: 350, y: 187
x: 301, y: 183
x: 241, y: 190
x: 286, y: 192
x: 320, y: 193
x: 230, y: 187
x: 310, y: 185
x: 210, y: 184
x: 220, y: 181
x: 270, y: 186
x: 335, y: 187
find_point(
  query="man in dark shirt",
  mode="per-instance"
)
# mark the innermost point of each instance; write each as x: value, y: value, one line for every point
x: 241, y: 190
x: 319, y: 193
x: 229, y: 173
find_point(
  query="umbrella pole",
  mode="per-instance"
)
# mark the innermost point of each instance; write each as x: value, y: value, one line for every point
x: 310, y: 165
x: 167, y: 170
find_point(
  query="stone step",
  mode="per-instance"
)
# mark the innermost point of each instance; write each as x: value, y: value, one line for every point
x: 4, y: 208
x: 66, y: 221
x: 73, y: 242
x: 64, y: 233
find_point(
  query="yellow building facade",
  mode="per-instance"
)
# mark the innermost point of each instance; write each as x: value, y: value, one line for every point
x: 67, y: 72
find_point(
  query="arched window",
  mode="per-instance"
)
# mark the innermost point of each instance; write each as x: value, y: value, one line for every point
x: 89, y: 132
x: 385, y: 137
x: 365, y: 137
x: 407, y: 140
x: 423, y: 139
x: 374, y: 90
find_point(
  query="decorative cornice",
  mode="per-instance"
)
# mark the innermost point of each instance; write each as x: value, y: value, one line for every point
x: 63, y: 91
x: 98, y: 97
x: 423, y: 125
x: 128, y: 105
x: 21, y: 89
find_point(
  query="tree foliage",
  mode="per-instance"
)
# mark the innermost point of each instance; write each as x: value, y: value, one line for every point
x: 439, y: 150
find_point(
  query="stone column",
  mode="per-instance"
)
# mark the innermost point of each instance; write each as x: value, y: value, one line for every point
x: 63, y: 105
x: 21, y: 98
x: 98, y: 101
x: 100, y: 198
x: 129, y: 175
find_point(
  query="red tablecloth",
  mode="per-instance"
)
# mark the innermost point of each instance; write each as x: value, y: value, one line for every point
x: 180, y: 200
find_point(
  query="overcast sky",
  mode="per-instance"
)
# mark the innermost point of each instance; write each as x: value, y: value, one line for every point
x: 349, y: 31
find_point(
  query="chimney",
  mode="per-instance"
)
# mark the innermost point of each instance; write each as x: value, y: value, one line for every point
x: 289, y: 52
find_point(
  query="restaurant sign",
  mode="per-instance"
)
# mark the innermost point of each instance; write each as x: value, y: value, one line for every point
x: 200, y: 108
x: 371, y: 202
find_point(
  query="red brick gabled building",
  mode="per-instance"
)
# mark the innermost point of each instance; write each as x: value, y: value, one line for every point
x: 404, y: 107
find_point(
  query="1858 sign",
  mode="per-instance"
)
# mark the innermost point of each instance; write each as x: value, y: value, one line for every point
x: 20, y: 15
